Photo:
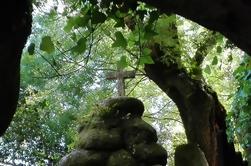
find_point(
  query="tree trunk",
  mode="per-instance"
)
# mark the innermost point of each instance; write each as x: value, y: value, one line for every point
x: 15, y: 19
x: 229, y: 17
x: 202, y: 114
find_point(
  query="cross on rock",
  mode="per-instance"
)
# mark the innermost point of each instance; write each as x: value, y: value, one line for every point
x: 121, y: 75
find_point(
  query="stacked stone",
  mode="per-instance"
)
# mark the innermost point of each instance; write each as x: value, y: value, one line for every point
x: 116, y: 135
x: 189, y: 155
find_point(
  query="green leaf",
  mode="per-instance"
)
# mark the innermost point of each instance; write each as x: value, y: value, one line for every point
x: 219, y: 49
x: 31, y: 49
x: 219, y: 38
x: 207, y: 69
x: 146, y: 57
x: 69, y: 24
x: 230, y: 58
x: 120, y: 41
x: 149, y: 33
x: 47, y: 45
x: 215, y: 61
x: 81, y: 21
x: 80, y: 47
x: 76, y: 22
x: 122, y: 63
x: 98, y: 17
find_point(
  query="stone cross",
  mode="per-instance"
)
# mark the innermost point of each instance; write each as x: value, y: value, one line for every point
x: 121, y: 75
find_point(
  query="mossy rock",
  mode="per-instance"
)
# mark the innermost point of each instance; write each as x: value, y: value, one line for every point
x: 189, y: 155
x: 150, y: 154
x: 98, y: 123
x: 121, y: 157
x: 100, y: 139
x: 120, y: 107
x: 90, y: 123
x: 84, y: 158
x: 137, y: 131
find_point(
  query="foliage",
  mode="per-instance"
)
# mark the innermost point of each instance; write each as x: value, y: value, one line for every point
x: 37, y: 134
x: 72, y: 48
x: 240, y: 117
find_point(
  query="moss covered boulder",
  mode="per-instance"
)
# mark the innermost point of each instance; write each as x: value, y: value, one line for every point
x: 115, y: 135
x: 122, y: 107
x: 84, y: 158
x: 100, y: 139
x: 137, y: 131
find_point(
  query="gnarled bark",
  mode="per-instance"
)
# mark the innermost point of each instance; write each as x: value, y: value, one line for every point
x: 202, y: 114
x: 15, y: 19
x: 229, y: 17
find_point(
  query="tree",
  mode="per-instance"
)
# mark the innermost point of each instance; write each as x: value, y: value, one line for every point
x: 163, y: 64
x: 14, y: 32
x: 170, y: 68
x: 227, y: 17
x: 235, y: 30
x: 167, y: 72
x: 220, y: 21
x: 51, y: 98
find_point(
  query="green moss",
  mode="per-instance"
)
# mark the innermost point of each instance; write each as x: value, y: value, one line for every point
x: 109, y: 113
x: 120, y: 107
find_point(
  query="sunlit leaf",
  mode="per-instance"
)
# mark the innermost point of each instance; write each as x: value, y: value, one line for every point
x: 215, y: 61
x: 207, y: 69
x: 76, y: 22
x: 122, y: 63
x: 47, y: 45
x: 69, y: 25
x: 146, y: 57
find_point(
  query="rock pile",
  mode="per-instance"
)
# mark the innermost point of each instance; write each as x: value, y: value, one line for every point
x: 116, y: 135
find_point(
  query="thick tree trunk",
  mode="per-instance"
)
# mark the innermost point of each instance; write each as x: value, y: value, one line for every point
x: 229, y: 17
x: 15, y: 19
x: 201, y: 112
